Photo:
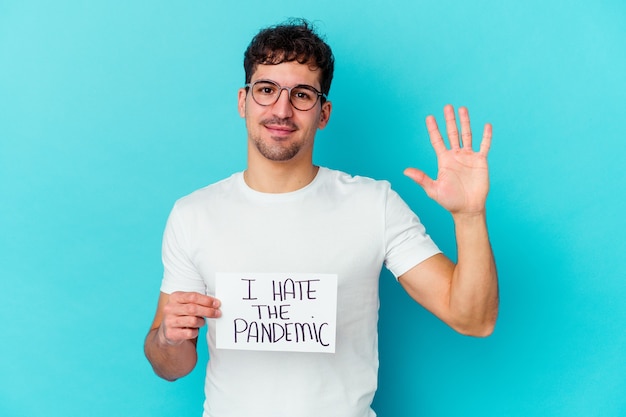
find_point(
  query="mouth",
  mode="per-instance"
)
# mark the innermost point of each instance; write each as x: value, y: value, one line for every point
x: 280, y: 130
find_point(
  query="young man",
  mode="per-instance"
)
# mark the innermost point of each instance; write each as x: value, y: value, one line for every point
x: 284, y: 214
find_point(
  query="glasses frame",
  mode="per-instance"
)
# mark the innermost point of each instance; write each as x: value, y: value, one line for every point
x: 249, y: 87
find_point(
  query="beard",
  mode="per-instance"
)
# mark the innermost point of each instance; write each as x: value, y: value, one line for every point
x: 278, y: 151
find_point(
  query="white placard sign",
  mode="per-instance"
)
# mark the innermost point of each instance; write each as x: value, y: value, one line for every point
x: 284, y: 312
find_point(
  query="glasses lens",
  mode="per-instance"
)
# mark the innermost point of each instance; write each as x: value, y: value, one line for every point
x: 265, y: 92
x: 303, y: 97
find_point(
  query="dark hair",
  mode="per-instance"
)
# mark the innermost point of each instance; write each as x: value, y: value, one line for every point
x: 294, y: 40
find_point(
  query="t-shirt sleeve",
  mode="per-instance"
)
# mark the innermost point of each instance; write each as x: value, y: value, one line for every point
x: 179, y: 271
x: 407, y: 243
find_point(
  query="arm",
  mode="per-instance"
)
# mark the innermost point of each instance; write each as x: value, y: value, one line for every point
x: 465, y: 295
x: 170, y: 345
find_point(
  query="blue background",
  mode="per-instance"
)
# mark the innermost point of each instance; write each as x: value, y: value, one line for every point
x: 111, y: 110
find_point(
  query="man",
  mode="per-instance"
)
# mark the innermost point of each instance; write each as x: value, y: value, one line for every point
x: 284, y: 214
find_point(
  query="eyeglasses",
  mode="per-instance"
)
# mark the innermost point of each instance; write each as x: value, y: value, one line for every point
x: 302, y: 97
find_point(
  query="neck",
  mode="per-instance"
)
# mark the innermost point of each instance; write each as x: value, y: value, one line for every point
x: 279, y: 177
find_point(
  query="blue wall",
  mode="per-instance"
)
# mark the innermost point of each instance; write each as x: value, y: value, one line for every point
x: 111, y: 110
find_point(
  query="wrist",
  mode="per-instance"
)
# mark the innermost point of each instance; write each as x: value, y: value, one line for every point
x: 469, y: 217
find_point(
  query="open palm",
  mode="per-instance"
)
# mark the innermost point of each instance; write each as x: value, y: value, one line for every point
x: 462, y: 180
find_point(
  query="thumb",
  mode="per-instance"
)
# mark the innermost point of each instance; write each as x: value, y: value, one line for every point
x: 421, y: 179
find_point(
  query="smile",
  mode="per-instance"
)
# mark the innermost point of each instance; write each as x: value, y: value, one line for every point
x: 280, y: 130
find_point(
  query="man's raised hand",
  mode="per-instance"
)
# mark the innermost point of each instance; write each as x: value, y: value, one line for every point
x: 462, y: 180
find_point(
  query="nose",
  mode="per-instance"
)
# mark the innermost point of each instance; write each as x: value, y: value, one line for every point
x: 282, y: 107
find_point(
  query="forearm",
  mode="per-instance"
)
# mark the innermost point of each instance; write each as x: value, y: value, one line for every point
x: 170, y: 362
x: 474, y: 286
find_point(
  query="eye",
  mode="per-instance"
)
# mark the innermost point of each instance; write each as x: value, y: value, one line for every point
x: 264, y: 88
x: 303, y: 94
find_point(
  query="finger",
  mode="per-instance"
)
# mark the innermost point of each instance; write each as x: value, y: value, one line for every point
x: 184, y: 322
x: 435, y: 136
x: 420, y: 178
x: 466, y: 130
x: 192, y: 304
x: 197, y: 310
x: 485, y: 144
x: 175, y: 336
x: 451, y: 128
x: 194, y: 322
x: 195, y: 298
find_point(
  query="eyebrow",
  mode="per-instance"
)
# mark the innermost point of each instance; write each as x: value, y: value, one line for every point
x: 280, y: 85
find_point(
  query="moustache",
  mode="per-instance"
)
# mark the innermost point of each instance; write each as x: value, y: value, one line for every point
x: 276, y: 121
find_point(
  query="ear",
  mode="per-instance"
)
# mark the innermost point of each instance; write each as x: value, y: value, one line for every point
x: 241, y: 102
x: 327, y: 107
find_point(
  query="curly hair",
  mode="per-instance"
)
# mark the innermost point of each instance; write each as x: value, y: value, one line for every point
x: 294, y: 40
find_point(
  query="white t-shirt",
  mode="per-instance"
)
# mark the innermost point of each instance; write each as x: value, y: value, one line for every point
x: 338, y: 224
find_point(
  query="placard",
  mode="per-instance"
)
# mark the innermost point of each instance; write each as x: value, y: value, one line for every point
x: 277, y: 312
